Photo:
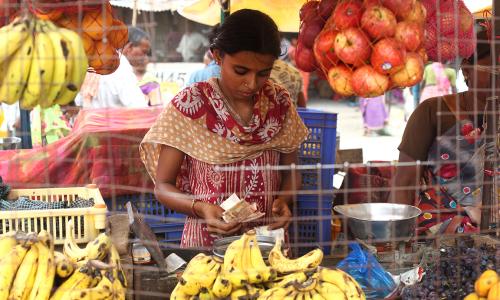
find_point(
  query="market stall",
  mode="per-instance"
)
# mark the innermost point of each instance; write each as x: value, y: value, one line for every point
x: 129, y: 242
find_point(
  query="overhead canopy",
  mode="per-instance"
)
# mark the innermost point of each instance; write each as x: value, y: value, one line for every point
x: 152, y: 5
x: 284, y: 12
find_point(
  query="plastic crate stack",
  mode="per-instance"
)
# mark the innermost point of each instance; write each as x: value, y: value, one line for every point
x: 312, y: 210
x: 165, y: 223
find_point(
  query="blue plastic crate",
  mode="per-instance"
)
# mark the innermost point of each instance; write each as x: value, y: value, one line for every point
x: 154, y: 212
x: 319, y: 148
x: 312, y: 224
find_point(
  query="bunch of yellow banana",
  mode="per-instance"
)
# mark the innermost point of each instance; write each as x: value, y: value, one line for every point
x: 42, y: 64
x: 98, y: 249
x: 245, y: 275
x: 27, y: 266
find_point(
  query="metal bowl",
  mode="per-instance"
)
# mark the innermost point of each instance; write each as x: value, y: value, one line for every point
x: 266, y: 243
x: 380, y: 221
x: 9, y: 143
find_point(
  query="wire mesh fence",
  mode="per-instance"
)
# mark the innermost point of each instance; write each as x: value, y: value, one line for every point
x: 434, y: 212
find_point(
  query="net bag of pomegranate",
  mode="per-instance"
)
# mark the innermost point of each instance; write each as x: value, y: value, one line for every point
x: 449, y: 30
x: 364, y: 48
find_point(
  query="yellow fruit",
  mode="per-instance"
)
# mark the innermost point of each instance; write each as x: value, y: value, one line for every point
x: 485, y: 282
x: 118, y: 34
x: 494, y: 293
x: 88, y: 44
x: 68, y: 21
x: 105, y: 60
x: 472, y: 296
x: 96, y: 22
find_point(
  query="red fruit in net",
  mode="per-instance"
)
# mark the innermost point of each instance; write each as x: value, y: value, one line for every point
x: 339, y: 78
x: 352, y: 46
x: 446, y: 23
x: 411, y: 73
x: 431, y: 37
x: 467, y: 45
x: 430, y: 7
x: 304, y: 58
x: 310, y: 7
x: 347, y: 14
x: 309, y: 31
x: 368, y: 3
x: 388, y: 56
x: 368, y: 83
x: 446, y: 51
x: 410, y: 34
x: 465, y: 19
x: 417, y: 14
x: 324, y: 51
x: 378, y: 22
x: 423, y: 55
x: 325, y: 8
x: 399, y: 7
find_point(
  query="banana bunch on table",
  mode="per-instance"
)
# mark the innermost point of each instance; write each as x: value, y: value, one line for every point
x: 243, y: 274
x: 31, y: 269
x: 41, y: 64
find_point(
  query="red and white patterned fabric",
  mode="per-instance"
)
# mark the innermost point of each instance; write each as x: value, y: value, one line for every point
x: 222, y: 155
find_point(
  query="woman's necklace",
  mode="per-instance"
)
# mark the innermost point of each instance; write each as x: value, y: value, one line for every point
x: 231, y: 109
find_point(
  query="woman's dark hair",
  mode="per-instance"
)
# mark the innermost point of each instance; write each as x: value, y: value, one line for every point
x: 136, y: 35
x: 248, y: 30
x: 483, y: 47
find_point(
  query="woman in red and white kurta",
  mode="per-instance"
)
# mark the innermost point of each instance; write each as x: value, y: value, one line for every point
x: 228, y: 135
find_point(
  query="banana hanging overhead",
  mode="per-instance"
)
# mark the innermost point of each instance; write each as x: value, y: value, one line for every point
x: 42, y: 64
x: 17, y: 72
x: 12, y: 37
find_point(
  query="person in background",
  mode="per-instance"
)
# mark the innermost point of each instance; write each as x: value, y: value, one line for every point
x: 286, y: 75
x: 192, y: 45
x: 447, y: 131
x: 216, y: 137
x: 120, y: 88
x: 211, y: 68
x: 437, y: 81
x: 375, y: 115
x: 149, y: 84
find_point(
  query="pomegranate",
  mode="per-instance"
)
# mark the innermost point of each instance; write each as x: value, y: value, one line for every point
x: 310, y: 7
x: 352, y: 46
x: 378, y: 22
x: 304, y: 58
x: 411, y: 73
x: 324, y: 50
x: 400, y: 8
x: 368, y: 83
x: 388, y: 56
x: 325, y: 8
x: 309, y: 31
x: 410, y: 34
x: 339, y: 78
x: 347, y: 14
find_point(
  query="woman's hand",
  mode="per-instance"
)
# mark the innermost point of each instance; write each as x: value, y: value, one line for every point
x: 281, y: 214
x: 212, y: 214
